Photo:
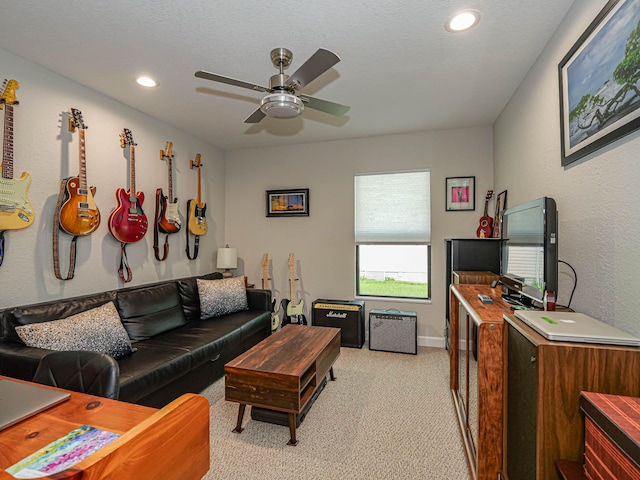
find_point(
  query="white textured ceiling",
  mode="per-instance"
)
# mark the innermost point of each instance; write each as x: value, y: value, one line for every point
x: 400, y: 70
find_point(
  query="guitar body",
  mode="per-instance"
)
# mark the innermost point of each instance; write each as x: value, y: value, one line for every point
x: 485, y: 230
x: 286, y: 319
x: 275, y: 319
x: 197, y: 222
x: 296, y: 313
x: 79, y: 214
x: 128, y: 222
x: 16, y: 210
x: 169, y: 221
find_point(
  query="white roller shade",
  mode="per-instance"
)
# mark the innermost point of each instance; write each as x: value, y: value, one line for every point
x: 393, y: 207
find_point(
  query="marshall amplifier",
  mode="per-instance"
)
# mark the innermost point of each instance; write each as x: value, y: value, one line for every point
x: 347, y: 315
x: 393, y: 331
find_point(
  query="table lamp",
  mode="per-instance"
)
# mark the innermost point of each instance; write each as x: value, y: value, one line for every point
x: 227, y: 259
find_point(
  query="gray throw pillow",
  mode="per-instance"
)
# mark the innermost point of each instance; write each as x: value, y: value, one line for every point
x: 219, y: 297
x: 97, y: 330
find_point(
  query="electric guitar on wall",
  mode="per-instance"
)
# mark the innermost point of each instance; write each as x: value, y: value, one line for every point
x: 169, y: 220
x: 16, y: 210
x: 128, y: 222
x: 293, y: 311
x: 486, y: 222
x: 275, y: 319
x: 79, y: 214
x: 197, y: 209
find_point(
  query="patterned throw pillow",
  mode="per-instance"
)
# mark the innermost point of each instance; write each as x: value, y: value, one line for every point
x: 219, y: 297
x: 97, y: 330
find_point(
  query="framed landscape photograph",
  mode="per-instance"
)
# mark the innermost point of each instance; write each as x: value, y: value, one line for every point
x: 599, y: 82
x: 288, y: 203
x: 460, y: 194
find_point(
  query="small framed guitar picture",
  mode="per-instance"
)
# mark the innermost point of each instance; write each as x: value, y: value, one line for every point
x: 501, y: 205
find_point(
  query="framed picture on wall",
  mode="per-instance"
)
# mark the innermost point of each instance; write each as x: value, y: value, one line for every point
x: 288, y: 203
x: 460, y: 194
x: 501, y: 205
x: 599, y: 82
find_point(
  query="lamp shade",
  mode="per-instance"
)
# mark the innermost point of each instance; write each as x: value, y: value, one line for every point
x: 227, y: 258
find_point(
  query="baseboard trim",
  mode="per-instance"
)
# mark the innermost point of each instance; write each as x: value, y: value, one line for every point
x: 437, y: 342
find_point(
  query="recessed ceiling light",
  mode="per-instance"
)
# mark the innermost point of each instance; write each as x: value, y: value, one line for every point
x: 146, y: 82
x: 462, y: 21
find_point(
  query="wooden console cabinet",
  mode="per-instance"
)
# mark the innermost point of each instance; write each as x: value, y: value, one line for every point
x: 544, y: 379
x: 476, y: 375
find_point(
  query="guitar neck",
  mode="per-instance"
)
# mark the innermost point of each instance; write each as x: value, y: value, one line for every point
x: 132, y: 173
x: 7, y: 154
x: 82, y: 159
x: 292, y: 282
x: 199, y: 200
x: 170, y: 180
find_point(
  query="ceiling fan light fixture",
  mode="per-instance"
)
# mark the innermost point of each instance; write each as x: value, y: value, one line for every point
x: 281, y: 105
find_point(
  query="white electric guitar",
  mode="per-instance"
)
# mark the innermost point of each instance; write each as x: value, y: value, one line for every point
x: 275, y: 319
x: 294, y: 310
x: 16, y: 211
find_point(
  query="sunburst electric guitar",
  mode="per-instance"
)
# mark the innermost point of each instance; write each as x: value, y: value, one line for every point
x: 293, y: 310
x: 275, y: 319
x: 169, y: 220
x: 79, y: 214
x: 197, y: 209
x: 16, y: 210
x: 128, y: 222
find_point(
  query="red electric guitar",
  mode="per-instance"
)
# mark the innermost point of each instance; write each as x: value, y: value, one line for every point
x: 128, y: 222
x: 79, y: 214
x: 169, y: 220
x: 486, y: 222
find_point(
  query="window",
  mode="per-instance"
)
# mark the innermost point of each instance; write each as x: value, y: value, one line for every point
x: 393, y: 234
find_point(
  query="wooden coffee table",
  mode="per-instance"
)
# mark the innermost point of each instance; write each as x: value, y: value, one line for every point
x: 283, y: 371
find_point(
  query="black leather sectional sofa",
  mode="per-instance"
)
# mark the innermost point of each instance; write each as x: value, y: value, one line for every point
x: 175, y: 350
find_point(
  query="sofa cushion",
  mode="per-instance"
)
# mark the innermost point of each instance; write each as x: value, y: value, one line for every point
x: 188, y: 289
x: 97, y: 330
x: 149, y: 311
x: 54, y: 310
x: 219, y: 297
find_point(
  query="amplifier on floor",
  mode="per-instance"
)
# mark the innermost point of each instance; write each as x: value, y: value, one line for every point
x: 393, y: 331
x: 347, y: 315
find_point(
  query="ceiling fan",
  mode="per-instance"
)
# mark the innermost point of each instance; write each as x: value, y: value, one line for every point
x: 284, y: 99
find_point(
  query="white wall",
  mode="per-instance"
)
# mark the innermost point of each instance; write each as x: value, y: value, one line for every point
x: 597, y: 197
x: 323, y: 243
x: 44, y: 147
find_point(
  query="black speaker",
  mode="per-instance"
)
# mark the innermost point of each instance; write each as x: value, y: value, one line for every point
x: 393, y: 331
x: 347, y: 315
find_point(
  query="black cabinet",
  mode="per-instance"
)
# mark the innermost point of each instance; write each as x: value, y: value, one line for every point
x: 469, y: 254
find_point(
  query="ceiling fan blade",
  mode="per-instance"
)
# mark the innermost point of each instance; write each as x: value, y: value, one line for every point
x: 255, y: 117
x: 324, y: 105
x: 230, y: 81
x: 316, y: 65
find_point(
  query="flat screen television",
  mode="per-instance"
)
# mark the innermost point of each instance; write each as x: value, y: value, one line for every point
x: 529, y: 250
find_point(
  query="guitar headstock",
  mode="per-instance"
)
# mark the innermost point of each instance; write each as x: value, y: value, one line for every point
x: 167, y: 152
x: 126, y: 138
x: 75, y: 120
x: 196, y: 164
x: 292, y: 261
x: 8, y: 97
x: 265, y: 260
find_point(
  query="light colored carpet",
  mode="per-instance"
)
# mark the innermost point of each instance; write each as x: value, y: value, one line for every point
x: 387, y: 416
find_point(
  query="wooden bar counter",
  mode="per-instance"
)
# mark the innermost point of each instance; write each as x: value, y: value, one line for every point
x: 476, y: 375
x: 170, y: 443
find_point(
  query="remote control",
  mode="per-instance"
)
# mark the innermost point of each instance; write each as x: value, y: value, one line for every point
x: 484, y: 298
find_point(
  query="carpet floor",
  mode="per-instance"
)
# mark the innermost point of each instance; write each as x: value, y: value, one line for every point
x: 387, y: 416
